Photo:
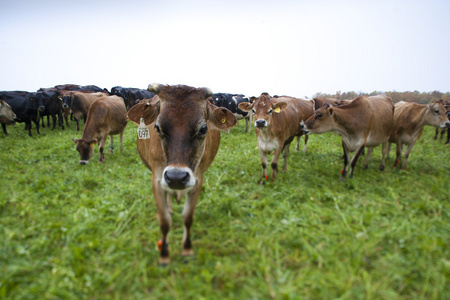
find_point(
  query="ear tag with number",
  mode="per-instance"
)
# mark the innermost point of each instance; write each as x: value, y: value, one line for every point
x: 143, y: 132
x: 277, y: 110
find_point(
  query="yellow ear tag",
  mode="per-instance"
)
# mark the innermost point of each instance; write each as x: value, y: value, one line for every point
x: 223, y: 120
x: 277, y: 110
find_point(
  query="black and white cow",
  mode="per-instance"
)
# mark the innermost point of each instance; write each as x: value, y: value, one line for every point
x: 231, y: 102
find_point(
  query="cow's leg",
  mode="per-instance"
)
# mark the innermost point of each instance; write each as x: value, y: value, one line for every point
x: 111, y: 146
x: 164, y: 219
x: 398, y: 152
x: 355, y: 157
x: 54, y: 121
x: 276, y: 156
x: 408, y: 150
x: 297, y: 146
x: 346, y: 159
x: 264, y: 163
x: 4, y: 129
x: 369, y: 154
x: 28, y: 127
x: 188, y: 218
x: 384, y: 150
x: 101, y: 148
x: 437, y: 133
x: 37, y: 126
x: 306, y: 141
x: 448, y: 136
x: 78, y: 123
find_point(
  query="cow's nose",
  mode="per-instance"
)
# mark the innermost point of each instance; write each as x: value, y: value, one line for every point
x: 41, y: 108
x: 177, y: 179
x: 260, y: 123
x: 65, y: 105
x: 447, y: 124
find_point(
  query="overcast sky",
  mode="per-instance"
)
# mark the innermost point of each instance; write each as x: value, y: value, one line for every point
x: 294, y: 48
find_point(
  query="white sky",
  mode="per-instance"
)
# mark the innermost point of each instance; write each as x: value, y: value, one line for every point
x: 294, y: 48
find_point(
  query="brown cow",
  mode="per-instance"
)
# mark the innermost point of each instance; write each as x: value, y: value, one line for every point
x: 443, y: 130
x: 79, y: 102
x: 364, y: 122
x: 184, y: 137
x: 106, y: 116
x: 319, y: 102
x: 277, y: 123
x: 410, y: 119
x: 7, y: 116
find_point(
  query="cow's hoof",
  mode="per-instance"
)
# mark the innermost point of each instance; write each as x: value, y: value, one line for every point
x: 164, y: 261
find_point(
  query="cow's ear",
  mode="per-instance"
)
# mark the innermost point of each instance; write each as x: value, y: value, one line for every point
x: 278, y: 107
x: 75, y: 141
x: 245, y: 106
x: 221, y: 118
x: 330, y: 110
x: 93, y: 142
x: 149, y: 111
x: 154, y: 87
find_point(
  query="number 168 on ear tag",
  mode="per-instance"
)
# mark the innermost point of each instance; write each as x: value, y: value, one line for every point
x: 143, y: 132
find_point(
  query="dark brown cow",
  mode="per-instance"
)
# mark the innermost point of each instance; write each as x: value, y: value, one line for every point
x: 184, y: 138
x: 277, y: 124
x: 365, y: 122
x: 79, y: 103
x: 7, y: 116
x: 106, y: 116
x: 409, y: 121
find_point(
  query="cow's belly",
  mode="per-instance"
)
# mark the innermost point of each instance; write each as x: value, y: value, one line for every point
x: 267, y: 144
x: 352, y: 144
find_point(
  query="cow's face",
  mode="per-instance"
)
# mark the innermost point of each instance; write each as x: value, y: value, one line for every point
x: 436, y: 115
x: 86, y: 149
x: 263, y: 109
x: 7, y: 116
x: 182, y: 118
x: 321, y: 122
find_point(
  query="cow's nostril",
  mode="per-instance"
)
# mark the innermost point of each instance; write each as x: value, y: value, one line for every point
x: 176, y: 178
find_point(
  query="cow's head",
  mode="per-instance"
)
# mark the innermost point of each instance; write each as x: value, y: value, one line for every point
x: 7, y: 116
x: 183, y: 117
x: 322, y: 121
x: 38, y: 100
x: 263, y: 109
x: 86, y: 149
x: 436, y: 115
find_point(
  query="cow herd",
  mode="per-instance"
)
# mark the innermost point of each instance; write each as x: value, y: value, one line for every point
x: 185, y: 123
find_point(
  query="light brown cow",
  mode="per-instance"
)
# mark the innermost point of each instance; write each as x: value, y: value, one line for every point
x: 7, y: 115
x: 277, y: 123
x: 106, y: 116
x: 409, y: 121
x: 365, y: 122
x: 184, y: 137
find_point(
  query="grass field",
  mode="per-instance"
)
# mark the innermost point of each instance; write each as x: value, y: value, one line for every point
x: 69, y: 231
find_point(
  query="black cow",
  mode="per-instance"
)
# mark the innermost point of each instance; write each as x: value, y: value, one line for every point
x: 76, y: 87
x: 131, y: 96
x: 26, y: 107
x: 53, y: 106
x: 231, y: 102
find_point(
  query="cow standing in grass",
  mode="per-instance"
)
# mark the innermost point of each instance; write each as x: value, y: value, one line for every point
x: 106, y: 116
x: 409, y: 121
x: 364, y: 122
x: 277, y: 123
x: 184, y: 138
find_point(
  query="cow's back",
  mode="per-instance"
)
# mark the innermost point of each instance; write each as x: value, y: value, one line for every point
x: 286, y: 124
x: 382, y: 122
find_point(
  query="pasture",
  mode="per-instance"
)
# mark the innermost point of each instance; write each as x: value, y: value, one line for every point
x: 70, y: 231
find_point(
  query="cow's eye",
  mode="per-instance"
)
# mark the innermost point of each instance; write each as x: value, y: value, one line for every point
x: 203, y: 130
x: 158, y: 129
x: 437, y: 111
x: 253, y: 110
x: 318, y: 116
x: 269, y: 111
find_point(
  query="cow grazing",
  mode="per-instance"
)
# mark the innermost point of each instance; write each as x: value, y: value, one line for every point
x: 106, y: 116
x: 26, y: 107
x: 184, y: 139
x: 79, y: 102
x: 364, y: 122
x: 7, y: 116
x: 277, y: 122
x: 231, y: 102
x: 409, y: 121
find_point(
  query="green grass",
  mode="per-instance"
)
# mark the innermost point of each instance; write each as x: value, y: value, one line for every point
x: 69, y: 231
